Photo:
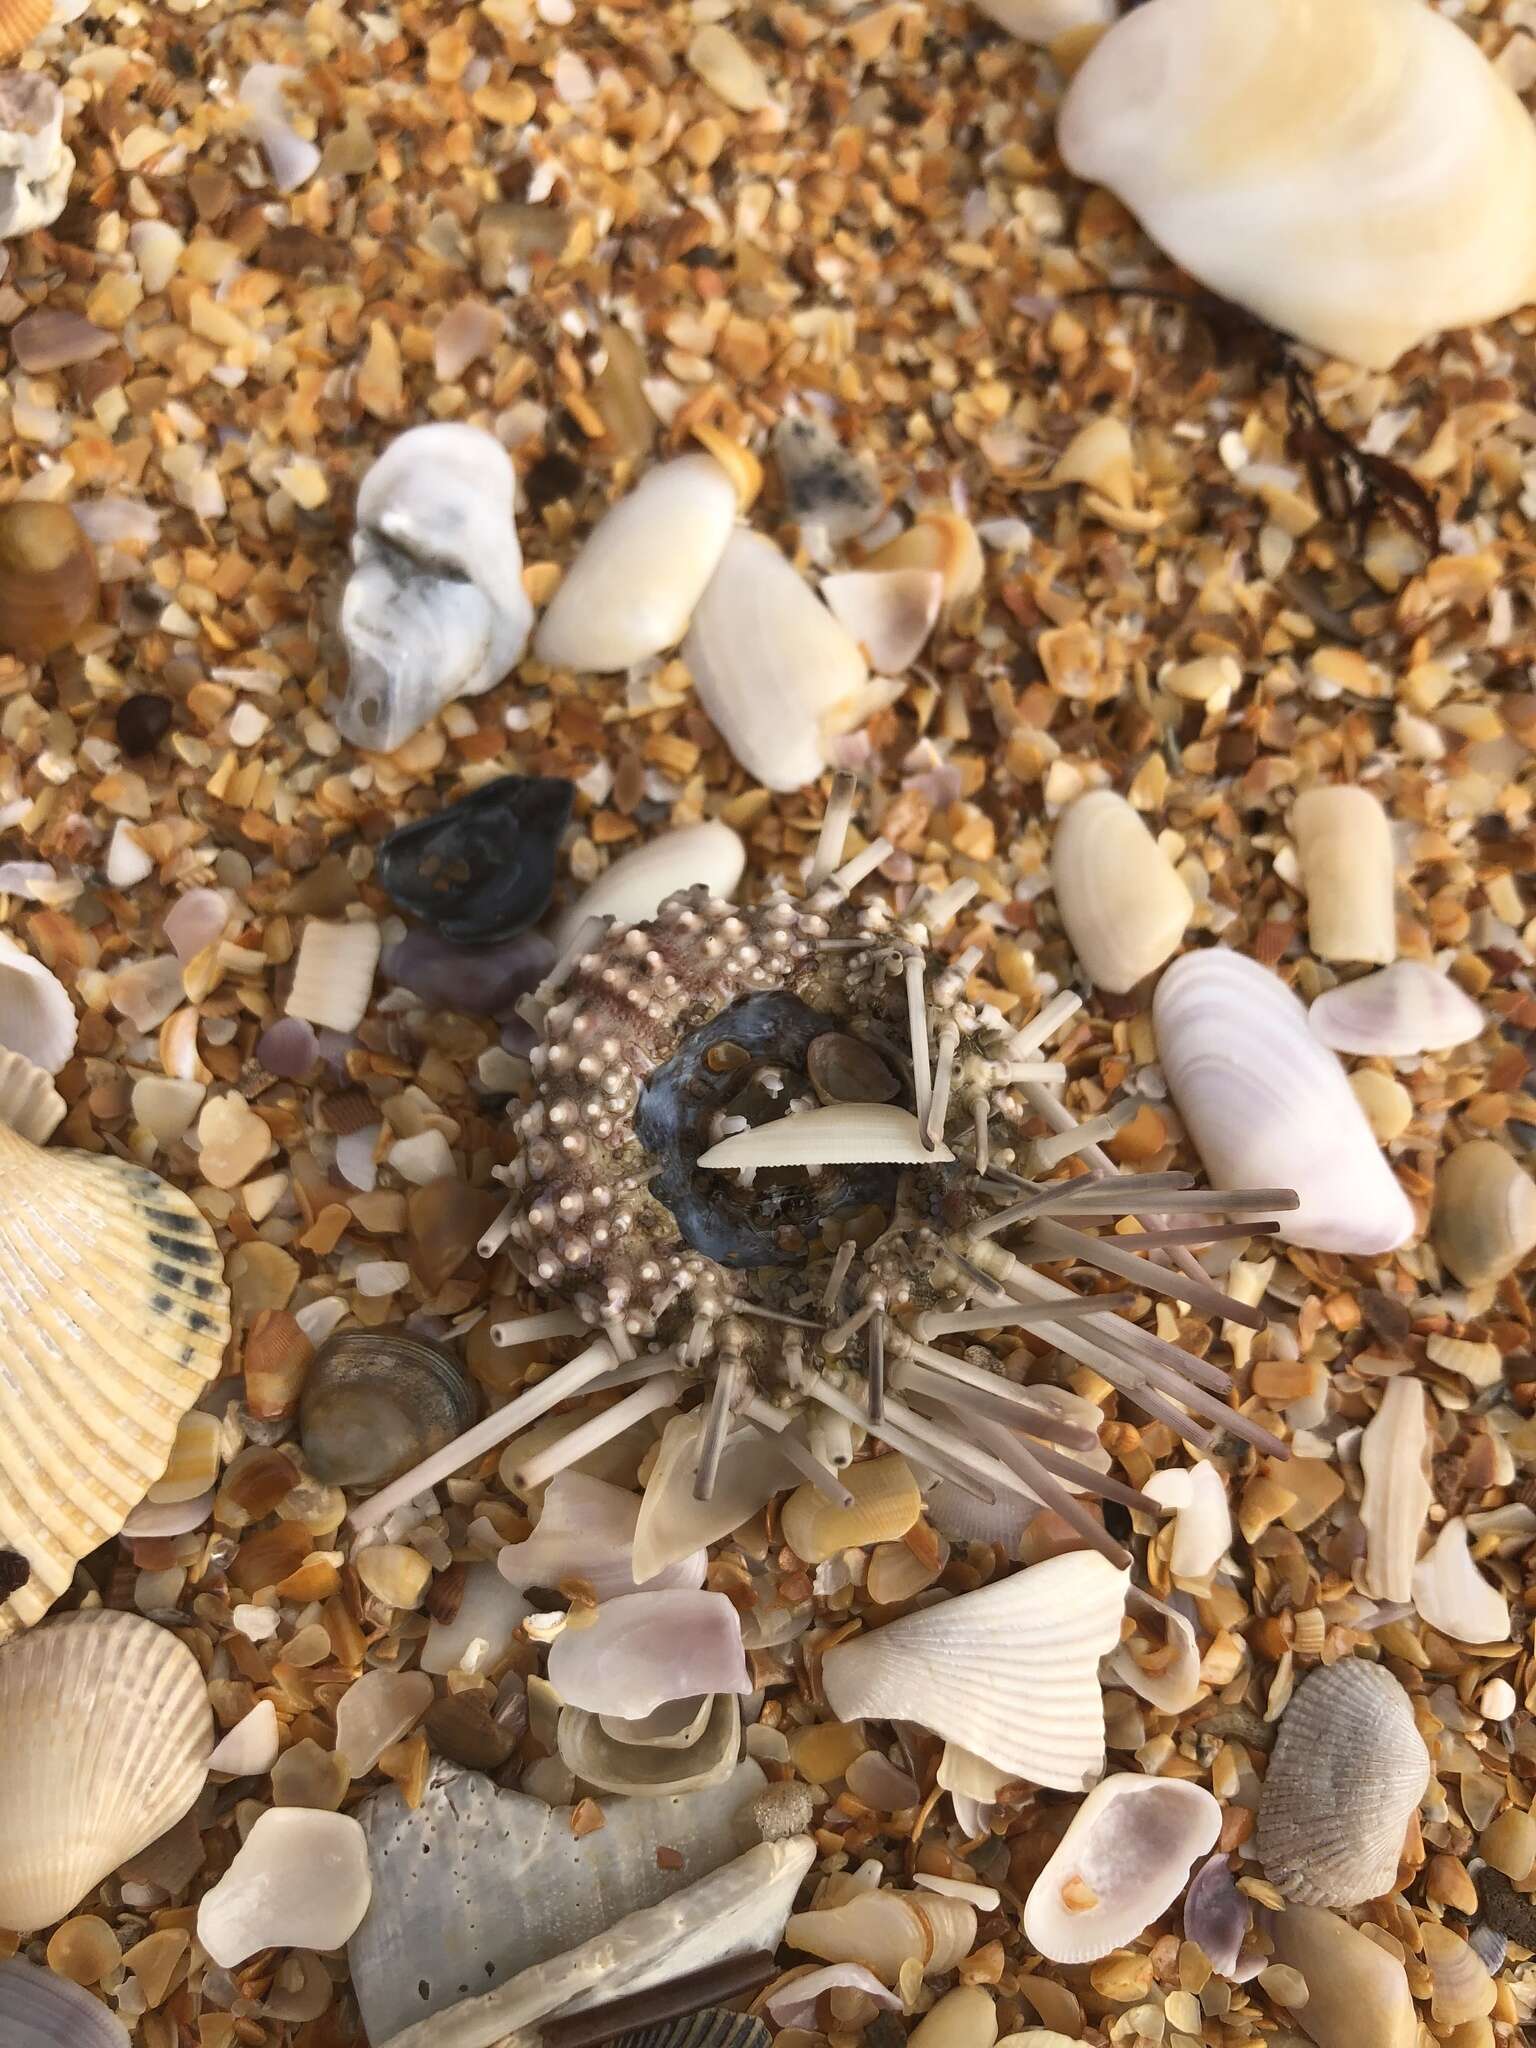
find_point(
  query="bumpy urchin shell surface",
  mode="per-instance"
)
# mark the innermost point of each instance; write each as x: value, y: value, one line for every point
x: 1348, y: 1769
x: 113, y: 1318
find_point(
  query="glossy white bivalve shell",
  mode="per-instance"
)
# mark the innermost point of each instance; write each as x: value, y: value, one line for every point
x: 641, y: 571
x: 1121, y: 1863
x: 1122, y: 904
x: 37, y: 1018
x: 1403, y: 1010
x: 435, y: 607
x: 1267, y: 1106
x: 1344, y: 847
x: 1358, y: 174
x: 634, y: 888
x: 1042, y: 21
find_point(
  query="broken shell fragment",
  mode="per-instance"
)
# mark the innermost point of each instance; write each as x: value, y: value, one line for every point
x: 646, y: 1648
x: 35, y: 167
x: 1484, y: 1219
x: 49, y: 588
x: 885, y: 1929
x: 1394, y: 1457
x: 1344, y: 845
x: 1202, y: 1519
x: 30, y: 1105
x: 435, y: 607
x: 1121, y: 1863
x: 1403, y: 1010
x: 826, y: 486
x: 1042, y: 21
x: 714, y: 2026
x: 1267, y: 1106
x: 886, y: 1503
x: 22, y: 22
x: 647, y: 1770
x: 890, y: 612
x: 478, y: 1637
x: 836, y: 1134
x: 673, y: 1523
x: 634, y: 888
x: 1453, y: 1596
x: 377, y: 1402
x: 1009, y: 1672
x: 250, y: 1749
x: 1231, y: 133
x: 106, y: 1731
x: 940, y: 541
x: 37, y: 1018
x: 1348, y: 1769
x: 333, y: 975
x: 300, y: 1878
x: 1357, y: 1991
x: 638, y: 578
x: 1122, y: 904
x: 1463, y: 1989
x: 1161, y: 1661
x: 586, y: 1530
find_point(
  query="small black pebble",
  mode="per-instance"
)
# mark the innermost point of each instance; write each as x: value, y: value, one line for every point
x: 552, y: 478
x: 483, y: 870
x: 142, y: 723
x: 14, y: 1573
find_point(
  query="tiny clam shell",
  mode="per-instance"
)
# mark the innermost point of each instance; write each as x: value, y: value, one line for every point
x: 1463, y: 1989
x: 885, y: 1929
x: 1484, y: 1219
x: 886, y: 1503
x: 890, y: 612
x: 41, y: 2010
x: 1121, y: 1863
x: 1348, y: 1769
x: 836, y: 1134
x: 1267, y: 1106
x: 1399, y: 1012
x: 29, y: 1102
x: 37, y: 1018
x: 1452, y: 1595
x: 333, y: 976
x: 1344, y: 844
x: 639, y: 882
x: 1123, y: 906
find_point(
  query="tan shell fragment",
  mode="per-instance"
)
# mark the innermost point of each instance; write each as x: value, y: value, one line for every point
x: 1348, y: 1770
x: 113, y: 1318
x: 1357, y: 1991
x: 1463, y: 1988
x: 885, y: 1929
x: 1344, y: 843
x: 333, y: 977
x: 1123, y: 906
x: 886, y: 1503
x: 651, y: 1770
x: 1394, y: 1456
x: 1484, y: 1220
x: 30, y: 1105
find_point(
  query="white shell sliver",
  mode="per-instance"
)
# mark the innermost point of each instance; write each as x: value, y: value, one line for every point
x: 634, y: 888
x: 644, y: 1649
x: 30, y: 1105
x: 1453, y: 1596
x: 837, y: 1134
x: 1397, y: 1013
x: 37, y: 1018
x: 1121, y: 1863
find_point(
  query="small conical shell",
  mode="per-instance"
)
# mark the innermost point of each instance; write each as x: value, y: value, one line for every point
x: 885, y: 1929
x: 1348, y: 1769
x: 886, y: 1502
x: 1359, y: 176
x: 1121, y: 1863
x: 113, y: 1318
x: 1403, y: 1010
x: 30, y: 1105
x: 1009, y: 1672
x: 106, y: 1731
x: 1123, y: 906
x: 1484, y: 1220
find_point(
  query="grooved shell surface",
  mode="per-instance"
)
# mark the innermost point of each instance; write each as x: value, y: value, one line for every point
x: 1348, y: 1769
x: 113, y: 1318
x: 106, y: 1731
x: 40, y: 2010
x: 715, y: 2027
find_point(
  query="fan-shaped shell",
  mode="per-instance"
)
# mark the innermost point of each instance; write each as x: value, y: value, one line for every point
x: 40, y: 2010
x: 113, y: 1317
x: 1348, y: 1769
x: 106, y: 1731
x: 1009, y: 1672
x: 1120, y: 1864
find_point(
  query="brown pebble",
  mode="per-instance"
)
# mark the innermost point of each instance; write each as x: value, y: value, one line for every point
x: 308, y: 1775
x: 49, y: 587
x: 463, y: 1729
x: 445, y: 1221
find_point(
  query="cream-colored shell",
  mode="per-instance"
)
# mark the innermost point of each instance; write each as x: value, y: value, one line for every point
x: 106, y: 1731
x: 1398, y: 1012
x: 1121, y: 1863
x: 834, y: 1134
x: 886, y: 1502
x: 1394, y: 1457
x: 37, y: 1018
x: 1353, y: 171
x: 1452, y: 1595
x: 113, y: 1318
x: 884, y: 1929
x: 30, y: 1105
x: 1344, y: 847
x: 1484, y: 1220
x: 1122, y: 904
x: 640, y: 881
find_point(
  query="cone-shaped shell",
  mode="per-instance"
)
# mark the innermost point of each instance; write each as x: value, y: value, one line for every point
x: 1484, y: 1220
x: 1348, y: 1769
x: 1268, y: 1106
x: 1009, y: 1672
x: 113, y: 1318
x: 1357, y: 175
x: 1121, y: 1863
x: 1123, y: 905
x: 106, y: 1731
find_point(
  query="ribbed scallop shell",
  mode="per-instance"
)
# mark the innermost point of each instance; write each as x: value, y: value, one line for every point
x: 22, y: 22
x: 1010, y: 1672
x: 1348, y: 1769
x: 106, y: 1731
x: 40, y: 2010
x: 113, y: 1318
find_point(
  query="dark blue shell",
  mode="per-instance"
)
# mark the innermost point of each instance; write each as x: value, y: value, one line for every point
x: 482, y: 870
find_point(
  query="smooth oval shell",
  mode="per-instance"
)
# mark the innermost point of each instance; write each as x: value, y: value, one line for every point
x: 646, y: 1648
x: 376, y: 1402
x: 40, y: 2010
x: 1344, y: 845
x: 648, y: 1770
x: 49, y: 588
x: 1348, y: 1769
x: 634, y: 888
x: 37, y: 1018
x: 886, y: 1503
x: 1359, y: 177
x: 1122, y: 904
x: 1403, y: 1010
x: 1121, y: 1863
x: 640, y: 573
x: 114, y: 1316
x: 106, y: 1731
x: 1267, y: 1106
x: 884, y: 1929
x: 1358, y: 1993
x: 1484, y: 1220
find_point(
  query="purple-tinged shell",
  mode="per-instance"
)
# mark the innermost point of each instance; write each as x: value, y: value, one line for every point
x: 1217, y: 1916
x: 474, y: 980
x: 288, y: 1048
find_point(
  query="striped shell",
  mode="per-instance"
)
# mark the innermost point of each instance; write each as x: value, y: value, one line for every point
x: 1348, y: 1769
x: 715, y: 2027
x: 113, y: 1318
x: 21, y: 23
x: 106, y: 1731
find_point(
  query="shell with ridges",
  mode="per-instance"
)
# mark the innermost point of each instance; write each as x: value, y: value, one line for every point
x: 30, y: 1105
x: 836, y: 1134
x: 37, y: 1018
x: 1121, y: 1863
x: 113, y: 1318
x: 885, y: 1929
x: 333, y: 976
x: 715, y: 2027
x: 1348, y: 1769
x: 1009, y: 1672
x: 22, y: 22
x: 1399, y: 1012
x: 649, y: 1770
x: 40, y: 2010
x: 1123, y: 905
x: 886, y: 1503
x: 106, y: 1732
x: 1484, y: 1220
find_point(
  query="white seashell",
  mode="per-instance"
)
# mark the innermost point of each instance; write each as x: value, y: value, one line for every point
x: 250, y: 1748
x: 964, y: 1518
x: 673, y: 1524
x: 1267, y: 1106
x: 333, y: 976
x: 376, y: 1710
x: 647, y: 1770
x: 1161, y: 1661
x: 435, y: 607
x: 736, y: 1909
x: 677, y: 1724
x: 1009, y: 1671
x: 300, y: 1878
x: 1348, y: 1769
x: 634, y: 888
x: 1121, y: 1863
x: 1394, y: 1457
x: 1042, y: 21
x: 646, y: 1648
x: 792, y: 2000
x: 1453, y: 1596
x: 105, y: 1729
x: 291, y: 159
x: 586, y: 1530
x: 113, y: 1318
x: 1403, y: 1010
x: 507, y: 1884
x: 773, y: 670
x: 489, y: 1615
x: 35, y: 167
x: 1484, y: 1220
x: 1357, y: 1991
x: 835, y: 1134
x: 1361, y: 178
x: 30, y: 1105
x: 641, y: 571
x: 968, y: 1776
x: 1202, y: 1519
x: 884, y: 1929
x: 37, y: 1018
x: 1344, y: 847
x: 40, y: 2010
x: 889, y: 612
x: 1122, y: 904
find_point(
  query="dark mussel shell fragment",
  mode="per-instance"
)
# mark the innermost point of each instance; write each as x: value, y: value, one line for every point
x: 715, y: 2027
x: 376, y: 1402
x: 483, y: 869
